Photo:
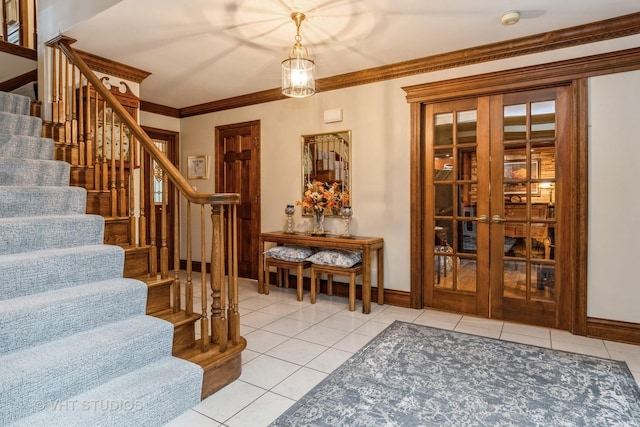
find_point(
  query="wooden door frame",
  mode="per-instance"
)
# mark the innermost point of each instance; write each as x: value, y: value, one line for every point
x: 573, y: 73
x: 174, y: 146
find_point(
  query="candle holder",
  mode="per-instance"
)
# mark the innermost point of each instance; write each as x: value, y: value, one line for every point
x: 346, y: 213
x: 289, y: 210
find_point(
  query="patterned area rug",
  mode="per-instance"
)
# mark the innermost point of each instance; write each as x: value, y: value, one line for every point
x: 412, y: 375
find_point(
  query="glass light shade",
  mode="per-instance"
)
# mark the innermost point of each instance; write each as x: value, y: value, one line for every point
x: 298, y: 73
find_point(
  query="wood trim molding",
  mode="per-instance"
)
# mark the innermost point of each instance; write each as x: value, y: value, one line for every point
x: 150, y: 107
x: 21, y: 80
x: 574, y: 72
x: 622, y: 26
x: 517, y: 79
x: 567, y: 37
x: 14, y: 49
x: 580, y: 208
x: 613, y: 330
x: 235, y: 102
x: 113, y: 68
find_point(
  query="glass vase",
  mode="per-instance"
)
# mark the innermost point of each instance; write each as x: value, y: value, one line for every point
x: 318, y: 221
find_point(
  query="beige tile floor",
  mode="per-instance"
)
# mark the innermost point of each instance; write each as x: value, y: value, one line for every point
x: 292, y: 346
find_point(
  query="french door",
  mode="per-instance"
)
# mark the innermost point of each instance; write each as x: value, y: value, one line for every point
x: 494, y: 195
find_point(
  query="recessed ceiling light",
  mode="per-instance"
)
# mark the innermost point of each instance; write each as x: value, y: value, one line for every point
x: 510, y: 17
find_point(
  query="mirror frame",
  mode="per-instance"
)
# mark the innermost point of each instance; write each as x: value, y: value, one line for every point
x: 326, y: 157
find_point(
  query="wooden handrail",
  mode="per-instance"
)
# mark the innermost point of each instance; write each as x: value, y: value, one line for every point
x: 64, y: 44
x: 90, y: 141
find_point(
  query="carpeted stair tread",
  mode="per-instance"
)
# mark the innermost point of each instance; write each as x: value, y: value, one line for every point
x: 35, y: 319
x: 72, y: 329
x: 46, y: 270
x: 150, y: 396
x: 26, y: 147
x: 41, y: 201
x: 17, y: 124
x: 14, y: 103
x: 24, y: 234
x: 23, y: 172
x: 72, y: 365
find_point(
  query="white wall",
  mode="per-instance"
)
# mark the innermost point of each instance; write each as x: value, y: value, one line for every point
x: 614, y: 205
x: 378, y: 116
x: 159, y: 121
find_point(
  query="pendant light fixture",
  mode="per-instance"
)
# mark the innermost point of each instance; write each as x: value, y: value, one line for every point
x: 298, y: 80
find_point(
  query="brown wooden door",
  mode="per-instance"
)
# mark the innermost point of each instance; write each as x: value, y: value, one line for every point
x: 167, y: 142
x: 530, y: 138
x: 457, y: 173
x: 493, y: 241
x: 238, y: 171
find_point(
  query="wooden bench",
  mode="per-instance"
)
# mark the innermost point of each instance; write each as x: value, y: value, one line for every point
x: 284, y: 267
x: 352, y: 272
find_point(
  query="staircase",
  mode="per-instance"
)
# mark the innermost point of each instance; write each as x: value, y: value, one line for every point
x: 136, y: 258
x: 76, y: 345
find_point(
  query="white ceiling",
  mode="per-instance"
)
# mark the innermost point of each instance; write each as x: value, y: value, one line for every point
x: 207, y: 50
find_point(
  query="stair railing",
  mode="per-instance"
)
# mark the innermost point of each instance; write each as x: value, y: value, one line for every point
x: 76, y: 93
x: 19, y: 22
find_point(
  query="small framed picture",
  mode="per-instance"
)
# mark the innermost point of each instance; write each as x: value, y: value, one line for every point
x: 198, y: 167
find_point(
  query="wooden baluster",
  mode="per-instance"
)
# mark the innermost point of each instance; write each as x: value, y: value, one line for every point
x: 188, y: 290
x: 232, y: 274
x: 83, y: 161
x: 54, y: 84
x: 59, y: 111
x: 204, y: 323
x: 112, y: 185
x: 34, y: 23
x: 73, y: 118
x: 66, y: 112
x: 142, y: 220
x: 218, y: 315
x: 104, y: 169
x: 122, y: 190
x: 176, y: 259
x: 164, y: 249
x: 132, y: 210
x: 93, y: 146
x: 153, y: 243
x: 90, y: 134
x: 61, y: 136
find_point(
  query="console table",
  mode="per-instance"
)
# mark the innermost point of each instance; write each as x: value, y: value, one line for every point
x: 365, y: 244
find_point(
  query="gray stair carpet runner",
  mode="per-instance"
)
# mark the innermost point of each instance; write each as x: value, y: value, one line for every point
x: 76, y: 348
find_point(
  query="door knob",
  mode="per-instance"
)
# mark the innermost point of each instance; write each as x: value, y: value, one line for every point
x: 497, y: 219
x: 481, y: 218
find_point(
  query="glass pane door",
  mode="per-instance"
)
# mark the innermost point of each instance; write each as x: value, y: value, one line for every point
x: 454, y: 248
x: 491, y: 226
x: 523, y: 220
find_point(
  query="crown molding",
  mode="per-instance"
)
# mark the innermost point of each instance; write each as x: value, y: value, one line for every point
x: 113, y: 68
x: 622, y: 26
x: 235, y: 102
x: 163, y: 110
x: 517, y: 79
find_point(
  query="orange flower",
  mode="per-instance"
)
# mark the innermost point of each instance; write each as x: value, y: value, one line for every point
x: 323, y: 196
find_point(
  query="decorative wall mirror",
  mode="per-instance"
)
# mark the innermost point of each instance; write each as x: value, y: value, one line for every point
x: 326, y: 173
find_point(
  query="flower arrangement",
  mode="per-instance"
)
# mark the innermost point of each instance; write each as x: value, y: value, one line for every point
x: 322, y: 196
